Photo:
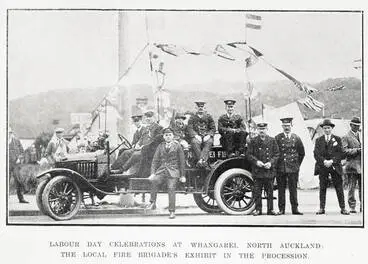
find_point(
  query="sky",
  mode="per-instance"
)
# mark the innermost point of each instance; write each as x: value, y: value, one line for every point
x: 80, y: 49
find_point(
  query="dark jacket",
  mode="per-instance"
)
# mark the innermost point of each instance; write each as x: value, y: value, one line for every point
x: 153, y: 139
x: 351, y: 147
x: 265, y: 151
x: 226, y: 124
x: 171, y: 161
x: 326, y: 151
x: 140, y: 136
x: 202, y: 126
x: 15, y: 150
x: 179, y: 130
x: 291, y: 153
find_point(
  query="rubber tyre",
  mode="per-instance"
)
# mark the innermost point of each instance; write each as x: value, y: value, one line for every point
x: 40, y: 188
x: 51, y: 185
x: 202, y: 204
x: 225, y: 179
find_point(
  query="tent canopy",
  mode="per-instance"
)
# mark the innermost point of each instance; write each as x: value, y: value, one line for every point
x: 307, y: 179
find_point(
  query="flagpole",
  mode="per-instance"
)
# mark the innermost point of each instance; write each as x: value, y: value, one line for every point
x: 154, y: 83
x: 247, y: 104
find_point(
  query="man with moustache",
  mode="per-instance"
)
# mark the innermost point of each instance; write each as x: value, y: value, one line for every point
x: 263, y: 153
x: 232, y: 130
x: 352, y: 148
x: 201, y: 129
x: 291, y: 156
x: 328, y: 155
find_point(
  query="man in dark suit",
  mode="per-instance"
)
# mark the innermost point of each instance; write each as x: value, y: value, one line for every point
x: 328, y: 155
x: 352, y: 148
x: 291, y: 156
x: 232, y: 129
x: 154, y: 136
x: 15, y: 152
x: 263, y: 153
x: 140, y: 138
x: 167, y: 166
x: 201, y: 129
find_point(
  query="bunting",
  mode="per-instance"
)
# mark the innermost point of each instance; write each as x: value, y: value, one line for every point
x: 312, y: 103
x: 223, y: 53
x: 301, y: 86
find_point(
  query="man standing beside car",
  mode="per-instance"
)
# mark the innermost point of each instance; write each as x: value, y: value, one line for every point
x: 328, y: 155
x: 263, y: 153
x: 291, y: 156
x: 15, y: 152
x: 167, y: 165
x: 352, y: 148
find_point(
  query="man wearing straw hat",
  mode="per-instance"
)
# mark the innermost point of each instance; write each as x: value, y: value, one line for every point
x: 352, y: 148
x: 328, y: 155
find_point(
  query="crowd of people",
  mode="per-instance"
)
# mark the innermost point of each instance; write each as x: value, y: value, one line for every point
x: 271, y: 158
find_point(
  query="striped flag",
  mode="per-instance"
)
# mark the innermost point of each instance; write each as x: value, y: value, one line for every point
x: 301, y: 86
x: 312, y: 103
x: 253, y: 21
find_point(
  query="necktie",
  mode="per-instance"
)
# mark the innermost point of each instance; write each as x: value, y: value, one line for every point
x: 357, y: 135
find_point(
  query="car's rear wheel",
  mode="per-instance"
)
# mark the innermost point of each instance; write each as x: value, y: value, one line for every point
x: 234, y: 192
x: 61, y: 198
x: 206, y: 202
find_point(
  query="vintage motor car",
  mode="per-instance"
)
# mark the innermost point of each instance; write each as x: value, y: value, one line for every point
x: 223, y: 187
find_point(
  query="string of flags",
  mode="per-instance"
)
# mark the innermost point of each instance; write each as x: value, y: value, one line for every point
x: 236, y: 51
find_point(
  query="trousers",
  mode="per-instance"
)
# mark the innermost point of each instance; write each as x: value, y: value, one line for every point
x: 337, y: 183
x: 201, y: 149
x: 171, y: 182
x: 233, y: 142
x: 127, y: 159
x: 292, y: 181
x: 354, y: 179
x: 18, y: 185
x: 267, y: 185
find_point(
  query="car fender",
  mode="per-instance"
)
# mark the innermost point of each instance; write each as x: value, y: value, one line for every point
x: 79, y: 179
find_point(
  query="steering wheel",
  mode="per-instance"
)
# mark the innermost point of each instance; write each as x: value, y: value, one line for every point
x: 124, y: 142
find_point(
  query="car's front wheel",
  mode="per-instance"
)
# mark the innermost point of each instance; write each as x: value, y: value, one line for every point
x: 61, y: 198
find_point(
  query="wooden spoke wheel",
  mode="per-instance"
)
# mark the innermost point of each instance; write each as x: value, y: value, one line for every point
x: 234, y: 192
x: 61, y: 198
x: 206, y: 202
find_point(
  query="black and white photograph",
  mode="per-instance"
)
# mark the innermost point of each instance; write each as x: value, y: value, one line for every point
x: 187, y: 118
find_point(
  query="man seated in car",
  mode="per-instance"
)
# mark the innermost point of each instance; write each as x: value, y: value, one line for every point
x: 180, y: 130
x: 130, y: 156
x: 201, y: 129
x: 232, y: 129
